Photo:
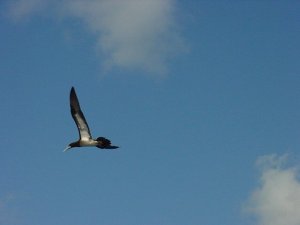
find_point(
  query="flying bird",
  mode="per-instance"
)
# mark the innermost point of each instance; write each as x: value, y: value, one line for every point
x: 85, y: 137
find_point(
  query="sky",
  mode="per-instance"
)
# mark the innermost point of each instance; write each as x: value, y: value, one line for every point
x: 201, y: 96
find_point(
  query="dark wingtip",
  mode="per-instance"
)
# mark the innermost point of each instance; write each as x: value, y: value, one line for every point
x: 72, y: 92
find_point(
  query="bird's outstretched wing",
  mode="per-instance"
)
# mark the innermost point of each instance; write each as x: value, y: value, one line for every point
x: 83, y: 127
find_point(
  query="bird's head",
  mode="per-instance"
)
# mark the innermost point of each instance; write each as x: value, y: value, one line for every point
x: 71, y: 145
x: 67, y: 148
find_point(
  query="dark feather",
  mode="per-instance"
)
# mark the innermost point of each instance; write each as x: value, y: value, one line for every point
x: 83, y: 127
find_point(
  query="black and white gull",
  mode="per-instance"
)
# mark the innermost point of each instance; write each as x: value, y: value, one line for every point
x: 85, y: 137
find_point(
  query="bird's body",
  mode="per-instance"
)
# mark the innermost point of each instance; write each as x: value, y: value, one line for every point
x: 85, y: 137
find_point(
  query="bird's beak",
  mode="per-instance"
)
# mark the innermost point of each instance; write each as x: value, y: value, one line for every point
x: 67, y: 148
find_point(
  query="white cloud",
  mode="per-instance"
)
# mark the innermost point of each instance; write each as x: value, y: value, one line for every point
x: 135, y: 34
x: 277, y: 199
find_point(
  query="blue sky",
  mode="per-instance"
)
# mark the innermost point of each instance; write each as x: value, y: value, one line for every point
x: 202, y: 97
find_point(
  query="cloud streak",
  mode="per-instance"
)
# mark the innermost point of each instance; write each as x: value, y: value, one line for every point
x: 134, y: 34
x: 21, y: 9
x: 277, y: 199
x: 8, y: 214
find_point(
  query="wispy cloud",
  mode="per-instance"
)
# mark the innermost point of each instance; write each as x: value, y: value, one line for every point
x: 277, y: 199
x: 135, y: 34
x: 21, y: 9
x: 8, y: 213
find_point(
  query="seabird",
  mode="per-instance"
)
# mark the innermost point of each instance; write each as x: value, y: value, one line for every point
x: 85, y: 137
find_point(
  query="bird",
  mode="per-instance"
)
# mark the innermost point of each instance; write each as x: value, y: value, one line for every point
x: 85, y: 137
